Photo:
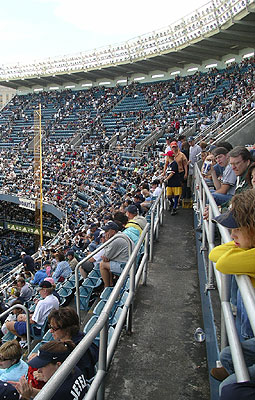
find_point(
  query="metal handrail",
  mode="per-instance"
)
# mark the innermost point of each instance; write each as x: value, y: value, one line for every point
x: 228, y: 329
x: 106, y: 353
x: 27, y: 321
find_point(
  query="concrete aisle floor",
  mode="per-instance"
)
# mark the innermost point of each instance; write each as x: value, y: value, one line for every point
x: 161, y: 359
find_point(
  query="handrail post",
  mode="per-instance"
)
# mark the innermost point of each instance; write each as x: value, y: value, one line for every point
x: 102, y: 360
x: 132, y: 292
x: 146, y: 246
x: 151, y: 234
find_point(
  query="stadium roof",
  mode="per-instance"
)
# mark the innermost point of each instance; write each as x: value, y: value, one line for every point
x: 200, y: 40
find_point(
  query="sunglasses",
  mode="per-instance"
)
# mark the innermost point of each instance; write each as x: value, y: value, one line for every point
x: 54, y: 329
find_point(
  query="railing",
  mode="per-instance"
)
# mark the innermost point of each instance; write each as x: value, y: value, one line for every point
x: 97, y: 387
x: 228, y: 329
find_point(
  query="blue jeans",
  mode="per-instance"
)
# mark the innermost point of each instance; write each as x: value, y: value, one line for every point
x: 220, y: 198
x: 248, y: 347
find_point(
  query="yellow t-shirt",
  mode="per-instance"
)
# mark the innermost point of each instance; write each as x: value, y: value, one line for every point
x: 231, y: 259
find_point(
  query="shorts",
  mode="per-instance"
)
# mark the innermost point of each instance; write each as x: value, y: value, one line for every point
x: 21, y: 328
x: 174, y: 191
x: 87, y: 266
x: 117, y: 267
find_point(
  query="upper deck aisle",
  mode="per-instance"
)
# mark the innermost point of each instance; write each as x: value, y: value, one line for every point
x: 161, y: 359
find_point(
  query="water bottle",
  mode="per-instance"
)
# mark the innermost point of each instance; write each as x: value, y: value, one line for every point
x: 199, y: 335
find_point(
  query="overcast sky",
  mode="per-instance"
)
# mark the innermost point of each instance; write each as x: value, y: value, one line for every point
x: 34, y: 29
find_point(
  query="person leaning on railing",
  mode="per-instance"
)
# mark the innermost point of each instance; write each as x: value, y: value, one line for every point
x: 237, y: 257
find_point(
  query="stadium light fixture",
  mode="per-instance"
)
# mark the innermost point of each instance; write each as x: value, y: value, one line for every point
x: 211, y: 65
x: 122, y: 81
x: 69, y: 86
x: 54, y: 87
x: 192, y: 69
x: 105, y: 83
x: 139, y: 78
x: 248, y: 55
x: 230, y: 60
x: 157, y: 76
x: 175, y: 72
x: 38, y: 89
x: 86, y: 84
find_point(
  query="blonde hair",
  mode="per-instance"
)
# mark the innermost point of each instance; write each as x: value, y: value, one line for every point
x: 11, y: 350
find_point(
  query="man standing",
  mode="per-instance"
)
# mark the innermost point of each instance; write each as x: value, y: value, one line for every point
x: 28, y: 262
x: 194, y: 151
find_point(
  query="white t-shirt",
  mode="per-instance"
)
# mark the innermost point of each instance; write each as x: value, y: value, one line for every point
x: 44, y: 307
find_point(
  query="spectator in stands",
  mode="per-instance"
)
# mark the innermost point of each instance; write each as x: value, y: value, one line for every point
x: 50, y: 356
x: 63, y: 269
x: 115, y: 256
x: 12, y: 367
x: 26, y: 291
x: 225, y: 187
x: 173, y: 182
x: 71, y: 259
x: 240, y: 160
x: 237, y: 257
x: 64, y: 325
x: 39, y: 276
x: 135, y: 220
x: 87, y: 266
x: 28, y: 262
x: 251, y: 175
x: 12, y: 316
x: 42, y: 310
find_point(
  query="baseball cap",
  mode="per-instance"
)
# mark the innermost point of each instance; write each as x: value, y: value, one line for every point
x: 170, y: 153
x: 23, y: 253
x: 191, y: 138
x: 45, y: 357
x: 110, y: 225
x: 132, y: 209
x: 227, y: 220
x: 168, y: 138
x: 8, y: 392
x: 46, y: 262
x: 174, y: 143
x: 45, y: 285
x: 49, y: 279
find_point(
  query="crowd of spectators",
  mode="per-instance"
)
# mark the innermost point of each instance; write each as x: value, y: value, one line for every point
x: 105, y: 193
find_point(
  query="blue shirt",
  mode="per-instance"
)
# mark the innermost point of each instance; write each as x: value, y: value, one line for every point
x: 15, y: 372
x: 63, y: 269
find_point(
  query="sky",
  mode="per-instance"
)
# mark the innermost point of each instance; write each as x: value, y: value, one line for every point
x: 31, y: 30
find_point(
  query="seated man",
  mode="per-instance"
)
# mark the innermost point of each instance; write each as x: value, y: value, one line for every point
x: 26, y: 291
x: 224, y: 187
x: 115, y: 254
x: 42, y: 310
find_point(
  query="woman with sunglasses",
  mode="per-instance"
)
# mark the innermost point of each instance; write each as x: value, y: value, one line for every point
x: 64, y: 325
